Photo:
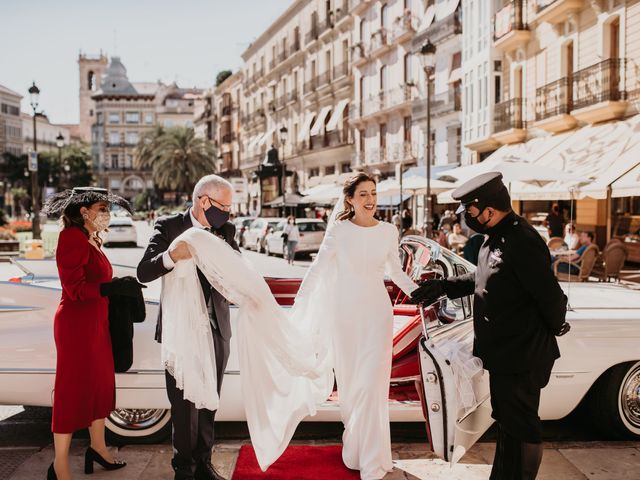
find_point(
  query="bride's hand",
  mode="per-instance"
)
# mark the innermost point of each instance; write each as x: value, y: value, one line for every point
x: 180, y: 251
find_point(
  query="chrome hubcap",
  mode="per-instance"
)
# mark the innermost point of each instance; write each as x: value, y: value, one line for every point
x: 630, y: 397
x: 136, y: 419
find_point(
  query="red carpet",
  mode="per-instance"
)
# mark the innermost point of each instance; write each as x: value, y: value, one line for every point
x: 298, y: 462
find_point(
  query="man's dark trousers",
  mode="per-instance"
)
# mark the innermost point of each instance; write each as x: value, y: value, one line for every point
x: 193, y: 428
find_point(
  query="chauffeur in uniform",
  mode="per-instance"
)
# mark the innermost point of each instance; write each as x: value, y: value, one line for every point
x: 519, y: 309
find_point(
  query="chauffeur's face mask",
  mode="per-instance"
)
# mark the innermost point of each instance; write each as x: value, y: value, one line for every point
x: 473, y: 222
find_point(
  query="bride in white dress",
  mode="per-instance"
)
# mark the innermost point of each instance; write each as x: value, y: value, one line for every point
x: 342, y: 322
x: 351, y: 263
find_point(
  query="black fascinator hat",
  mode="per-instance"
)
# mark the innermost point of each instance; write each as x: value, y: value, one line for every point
x: 63, y: 202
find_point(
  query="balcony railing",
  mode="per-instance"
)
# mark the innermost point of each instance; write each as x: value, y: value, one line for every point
x: 341, y: 70
x: 272, y: 64
x: 554, y: 99
x: 342, y: 11
x: 283, y: 55
x: 510, y: 18
x: 324, y: 78
x: 296, y: 46
x: 509, y: 115
x: 446, y: 102
x: 379, y: 40
x: 228, y: 138
x: 226, y: 110
x: 281, y: 102
x: 359, y: 52
x: 310, y: 86
x: 382, y: 101
x: 404, y: 27
x: 311, y: 34
x: 327, y: 24
x: 445, y: 28
x: 293, y: 95
x: 599, y: 83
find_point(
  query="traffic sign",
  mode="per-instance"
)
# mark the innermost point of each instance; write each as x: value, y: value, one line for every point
x: 33, y: 161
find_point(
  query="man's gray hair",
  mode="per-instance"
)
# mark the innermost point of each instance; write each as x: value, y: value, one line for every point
x: 210, y: 184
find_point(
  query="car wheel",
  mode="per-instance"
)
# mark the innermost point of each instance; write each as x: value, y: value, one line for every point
x: 138, y: 426
x: 614, y: 401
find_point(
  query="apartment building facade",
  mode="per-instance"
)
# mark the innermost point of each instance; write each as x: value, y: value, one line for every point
x: 10, y: 121
x: 385, y: 84
x: 296, y: 75
x: 441, y: 25
x: 46, y: 133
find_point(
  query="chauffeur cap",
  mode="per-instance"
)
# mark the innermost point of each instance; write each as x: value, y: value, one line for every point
x: 479, y: 190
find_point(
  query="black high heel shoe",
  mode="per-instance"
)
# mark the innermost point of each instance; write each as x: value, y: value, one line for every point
x: 51, y: 473
x: 91, y: 456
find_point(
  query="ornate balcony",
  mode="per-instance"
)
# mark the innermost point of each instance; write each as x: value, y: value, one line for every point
x: 342, y: 14
x: 292, y: 96
x: 404, y: 28
x: 380, y: 43
x: 324, y: 79
x: 446, y: 103
x: 341, y: 70
x: 443, y: 29
x: 556, y: 11
x: 359, y: 54
x: 310, y: 86
x: 509, y: 123
x: 553, y: 104
x: 510, y: 29
x: 398, y: 100
x: 312, y: 35
x: 598, y: 92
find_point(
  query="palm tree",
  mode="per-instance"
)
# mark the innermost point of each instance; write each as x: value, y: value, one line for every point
x: 177, y: 157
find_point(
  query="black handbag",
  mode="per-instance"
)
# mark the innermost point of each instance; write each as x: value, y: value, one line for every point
x: 285, y: 237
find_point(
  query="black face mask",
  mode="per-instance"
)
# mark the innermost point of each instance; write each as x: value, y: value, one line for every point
x: 216, y: 217
x: 475, y: 224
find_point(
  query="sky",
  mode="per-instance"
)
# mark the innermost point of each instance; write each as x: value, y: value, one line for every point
x: 188, y: 41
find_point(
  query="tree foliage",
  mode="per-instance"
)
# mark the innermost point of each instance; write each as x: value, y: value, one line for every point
x: 176, y: 157
x: 222, y: 76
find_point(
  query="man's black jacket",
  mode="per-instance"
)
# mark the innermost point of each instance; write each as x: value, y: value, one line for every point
x: 151, y: 267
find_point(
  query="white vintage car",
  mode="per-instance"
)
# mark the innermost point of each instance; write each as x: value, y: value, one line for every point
x: 600, y: 362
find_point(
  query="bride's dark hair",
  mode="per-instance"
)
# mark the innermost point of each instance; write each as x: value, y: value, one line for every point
x: 349, y: 190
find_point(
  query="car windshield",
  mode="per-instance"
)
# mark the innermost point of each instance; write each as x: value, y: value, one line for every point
x: 312, y: 227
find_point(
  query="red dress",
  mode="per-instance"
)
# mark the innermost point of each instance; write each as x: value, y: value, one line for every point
x: 85, y: 378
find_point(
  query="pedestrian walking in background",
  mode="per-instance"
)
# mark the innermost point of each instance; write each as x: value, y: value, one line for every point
x: 396, y: 220
x: 407, y: 220
x: 554, y: 222
x: 291, y: 237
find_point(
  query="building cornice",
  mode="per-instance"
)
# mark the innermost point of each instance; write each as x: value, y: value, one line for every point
x: 276, y: 26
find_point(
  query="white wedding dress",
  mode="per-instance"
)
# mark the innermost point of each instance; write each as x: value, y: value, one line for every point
x: 342, y: 321
x: 351, y: 264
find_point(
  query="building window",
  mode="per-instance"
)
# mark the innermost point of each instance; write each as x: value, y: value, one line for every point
x: 345, y: 167
x: 99, y: 118
x: 383, y: 139
x: 330, y: 170
x: 384, y: 16
x: 132, y: 138
x: 91, y: 81
x: 114, y: 118
x: 114, y: 160
x: 148, y: 118
x: 168, y: 123
x: 129, y: 162
x: 314, y: 172
x: 132, y: 117
x: 114, y: 138
x: 91, y: 113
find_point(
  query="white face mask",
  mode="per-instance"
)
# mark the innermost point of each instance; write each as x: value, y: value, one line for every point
x: 102, y: 221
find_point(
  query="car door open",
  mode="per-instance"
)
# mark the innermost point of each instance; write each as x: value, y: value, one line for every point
x: 454, y: 388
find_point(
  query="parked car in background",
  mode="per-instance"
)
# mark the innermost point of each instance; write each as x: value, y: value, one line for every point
x: 122, y: 231
x: 242, y: 223
x: 255, y: 235
x: 311, y: 235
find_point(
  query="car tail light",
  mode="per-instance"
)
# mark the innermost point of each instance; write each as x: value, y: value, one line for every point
x: 16, y: 280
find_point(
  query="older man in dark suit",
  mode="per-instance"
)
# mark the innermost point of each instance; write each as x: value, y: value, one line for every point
x: 193, y: 429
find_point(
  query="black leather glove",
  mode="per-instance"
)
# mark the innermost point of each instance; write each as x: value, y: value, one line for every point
x: 428, y: 292
x: 563, y: 329
x: 125, y: 286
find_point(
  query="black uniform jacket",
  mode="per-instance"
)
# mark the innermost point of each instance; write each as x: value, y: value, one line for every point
x: 151, y: 267
x: 518, y: 305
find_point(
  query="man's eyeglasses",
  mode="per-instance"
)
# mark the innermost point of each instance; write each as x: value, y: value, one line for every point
x: 215, y: 203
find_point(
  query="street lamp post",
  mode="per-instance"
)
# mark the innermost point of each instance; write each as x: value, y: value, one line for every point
x: 283, y: 140
x: 34, y: 93
x: 60, y: 144
x: 428, y: 59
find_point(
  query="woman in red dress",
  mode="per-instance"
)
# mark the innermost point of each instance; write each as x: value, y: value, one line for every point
x: 84, y: 391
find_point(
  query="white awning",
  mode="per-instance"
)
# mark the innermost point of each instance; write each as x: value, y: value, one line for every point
x: 267, y: 137
x: 446, y: 8
x: 455, y: 75
x: 602, y: 154
x: 336, y: 116
x: 629, y: 184
x: 429, y: 15
x: 322, y: 116
x: 304, y: 131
